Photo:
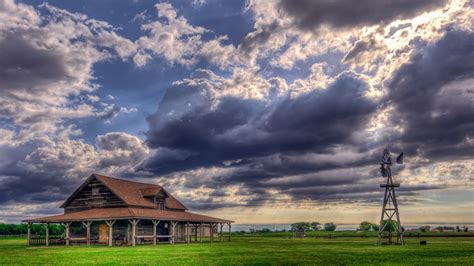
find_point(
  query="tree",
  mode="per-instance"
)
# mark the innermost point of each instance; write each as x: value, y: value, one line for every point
x: 15, y: 229
x: 375, y: 227
x: 390, y: 226
x: 329, y: 227
x: 365, y: 226
x: 426, y: 228
x: 300, y: 226
x: 315, y: 226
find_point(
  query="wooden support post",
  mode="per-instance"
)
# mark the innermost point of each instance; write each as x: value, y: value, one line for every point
x: 29, y: 234
x: 46, y: 227
x: 230, y: 227
x: 220, y: 237
x: 173, y: 231
x: 211, y: 232
x: 67, y: 232
x: 196, y: 226
x: 111, y: 223
x: 200, y: 232
x: 87, y: 224
x: 134, y: 223
x: 188, y: 233
x: 155, y: 224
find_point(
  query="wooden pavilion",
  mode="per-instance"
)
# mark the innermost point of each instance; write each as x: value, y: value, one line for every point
x: 112, y: 211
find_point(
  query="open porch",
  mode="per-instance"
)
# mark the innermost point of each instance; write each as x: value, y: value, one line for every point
x: 130, y: 226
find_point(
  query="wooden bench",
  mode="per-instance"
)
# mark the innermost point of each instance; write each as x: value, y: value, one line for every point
x: 144, y: 239
x: 77, y: 240
x: 149, y: 239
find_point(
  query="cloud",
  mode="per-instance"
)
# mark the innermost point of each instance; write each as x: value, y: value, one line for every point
x: 248, y: 133
x: 199, y: 3
x: 50, y: 168
x: 238, y: 128
x: 46, y: 62
x: 288, y: 32
x: 177, y: 41
x: 310, y: 15
x: 257, y: 144
x: 316, y: 145
x: 434, y: 97
x: 111, y: 111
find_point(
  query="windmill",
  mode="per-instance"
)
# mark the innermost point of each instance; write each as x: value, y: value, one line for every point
x: 390, y: 205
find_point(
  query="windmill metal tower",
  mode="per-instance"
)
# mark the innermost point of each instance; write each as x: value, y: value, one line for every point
x: 390, y: 205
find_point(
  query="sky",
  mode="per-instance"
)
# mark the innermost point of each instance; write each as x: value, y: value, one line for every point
x: 256, y: 111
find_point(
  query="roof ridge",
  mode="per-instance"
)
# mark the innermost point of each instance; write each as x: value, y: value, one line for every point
x: 124, y: 180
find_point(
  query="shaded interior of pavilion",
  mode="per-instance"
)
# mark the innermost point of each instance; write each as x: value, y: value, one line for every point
x: 123, y: 232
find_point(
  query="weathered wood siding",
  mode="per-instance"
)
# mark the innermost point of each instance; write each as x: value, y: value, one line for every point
x: 145, y: 228
x: 121, y: 230
x: 179, y: 232
x: 93, y: 195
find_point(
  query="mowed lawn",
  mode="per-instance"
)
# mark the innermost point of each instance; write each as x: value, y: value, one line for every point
x: 262, y: 249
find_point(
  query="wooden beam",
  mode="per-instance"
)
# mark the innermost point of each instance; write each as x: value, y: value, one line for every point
x: 196, y: 226
x: 111, y: 223
x: 173, y: 231
x: 29, y: 234
x: 67, y: 232
x: 220, y: 236
x: 200, y: 232
x: 211, y: 232
x: 134, y: 223
x: 46, y: 227
x: 155, y: 224
x: 87, y: 224
x: 188, y: 233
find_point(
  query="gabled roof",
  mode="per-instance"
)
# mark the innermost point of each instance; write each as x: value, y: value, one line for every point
x: 128, y: 213
x: 130, y: 192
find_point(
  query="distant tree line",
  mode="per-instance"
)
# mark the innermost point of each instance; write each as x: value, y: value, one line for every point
x: 428, y: 228
x: 314, y: 226
x: 368, y: 226
x: 388, y: 226
x: 36, y: 229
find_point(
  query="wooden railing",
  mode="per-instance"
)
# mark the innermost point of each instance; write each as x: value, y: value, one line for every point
x: 41, y: 240
x: 149, y: 238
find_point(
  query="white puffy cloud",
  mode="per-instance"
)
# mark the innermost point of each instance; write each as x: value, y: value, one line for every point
x: 179, y: 42
x: 113, y: 153
x: 46, y: 63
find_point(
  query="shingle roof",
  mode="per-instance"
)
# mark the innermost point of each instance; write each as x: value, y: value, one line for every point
x: 128, y: 213
x: 131, y: 192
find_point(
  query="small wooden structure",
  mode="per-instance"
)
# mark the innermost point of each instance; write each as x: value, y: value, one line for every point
x: 111, y: 211
x: 300, y: 233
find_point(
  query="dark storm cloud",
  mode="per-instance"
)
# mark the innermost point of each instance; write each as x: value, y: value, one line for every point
x: 359, y: 47
x: 253, y: 39
x: 310, y: 14
x: 25, y: 66
x: 244, y: 129
x: 434, y: 99
x: 20, y: 184
x: 264, y: 144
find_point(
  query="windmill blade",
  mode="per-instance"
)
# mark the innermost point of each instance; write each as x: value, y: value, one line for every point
x: 400, y: 158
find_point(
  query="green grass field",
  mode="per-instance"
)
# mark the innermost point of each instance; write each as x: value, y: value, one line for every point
x: 252, y: 249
